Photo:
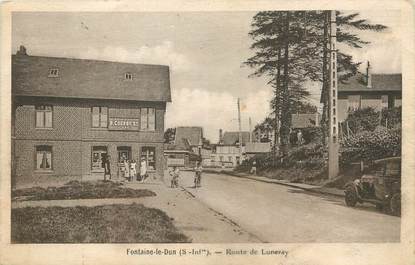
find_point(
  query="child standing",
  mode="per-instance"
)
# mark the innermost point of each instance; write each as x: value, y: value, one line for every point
x: 133, y: 171
x: 175, y: 177
x: 198, y: 174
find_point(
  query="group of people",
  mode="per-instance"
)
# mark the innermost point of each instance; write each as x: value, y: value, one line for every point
x: 175, y: 175
x: 128, y: 170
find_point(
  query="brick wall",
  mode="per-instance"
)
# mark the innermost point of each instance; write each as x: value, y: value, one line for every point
x: 66, y: 158
x: 72, y: 135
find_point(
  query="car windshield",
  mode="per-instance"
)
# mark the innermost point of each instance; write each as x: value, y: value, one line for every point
x: 377, y: 169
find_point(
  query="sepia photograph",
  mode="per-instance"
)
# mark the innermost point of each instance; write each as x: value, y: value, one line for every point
x: 206, y: 127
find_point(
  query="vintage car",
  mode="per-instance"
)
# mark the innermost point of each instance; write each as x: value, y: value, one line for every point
x: 380, y: 185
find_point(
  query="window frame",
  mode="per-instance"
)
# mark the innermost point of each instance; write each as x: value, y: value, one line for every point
x: 53, y: 72
x: 43, y: 112
x: 351, y: 107
x: 100, y: 115
x: 146, y: 155
x: 36, y: 151
x: 145, y: 120
x: 128, y: 76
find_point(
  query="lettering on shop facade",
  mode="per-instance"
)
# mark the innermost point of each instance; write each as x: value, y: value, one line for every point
x: 123, y: 124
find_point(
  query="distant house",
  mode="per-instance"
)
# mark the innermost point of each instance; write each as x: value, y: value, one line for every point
x: 301, y: 121
x: 179, y: 154
x: 371, y: 90
x: 227, y: 151
x: 252, y: 149
x: 193, y: 135
x: 188, y: 147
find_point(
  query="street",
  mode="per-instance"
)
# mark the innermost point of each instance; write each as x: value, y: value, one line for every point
x: 281, y: 214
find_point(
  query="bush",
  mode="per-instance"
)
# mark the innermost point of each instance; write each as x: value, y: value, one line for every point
x: 392, y: 118
x: 368, y: 145
x: 366, y: 119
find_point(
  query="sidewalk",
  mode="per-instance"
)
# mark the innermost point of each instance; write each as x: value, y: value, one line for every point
x: 303, y: 186
x: 193, y: 218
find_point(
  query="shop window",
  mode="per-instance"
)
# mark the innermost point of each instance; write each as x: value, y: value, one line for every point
x: 99, y: 117
x: 124, y: 153
x: 229, y: 159
x: 149, y: 154
x: 43, y: 157
x: 43, y: 116
x: 99, y: 154
x: 148, y: 119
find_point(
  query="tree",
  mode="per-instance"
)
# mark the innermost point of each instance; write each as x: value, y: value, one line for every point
x: 290, y: 49
x: 169, y: 135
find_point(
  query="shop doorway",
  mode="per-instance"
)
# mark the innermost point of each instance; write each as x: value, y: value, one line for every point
x: 124, y: 153
x: 99, y: 153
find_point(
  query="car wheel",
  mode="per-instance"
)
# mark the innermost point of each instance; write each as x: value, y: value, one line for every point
x: 350, y: 196
x: 395, y: 204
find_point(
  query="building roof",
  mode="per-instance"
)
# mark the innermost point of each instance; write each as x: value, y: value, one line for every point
x: 193, y: 135
x: 380, y: 82
x: 304, y: 120
x: 231, y: 138
x: 79, y: 78
x: 258, y: 147
x: 182, y: 145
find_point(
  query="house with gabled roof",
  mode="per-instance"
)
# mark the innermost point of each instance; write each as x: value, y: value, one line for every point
x: 228, y: 152
x: 373, y: 90
x: 69, y: 115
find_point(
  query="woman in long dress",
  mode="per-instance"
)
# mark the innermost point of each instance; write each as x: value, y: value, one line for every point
x: 143, y: 169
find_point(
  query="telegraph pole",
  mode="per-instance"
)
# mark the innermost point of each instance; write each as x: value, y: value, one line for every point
x: 333, y: 143
x: 240, y: 130
x: 250, y: 130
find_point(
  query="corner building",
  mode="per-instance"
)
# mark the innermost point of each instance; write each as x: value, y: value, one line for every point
x: 67, y: 114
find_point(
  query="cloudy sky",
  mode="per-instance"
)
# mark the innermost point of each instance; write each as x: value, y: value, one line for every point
x: 205, y: 51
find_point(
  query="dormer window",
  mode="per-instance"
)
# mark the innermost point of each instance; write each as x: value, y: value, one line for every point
x: 53, y: 72
x: 129, y: 76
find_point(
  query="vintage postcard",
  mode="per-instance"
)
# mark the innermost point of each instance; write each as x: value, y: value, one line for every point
x: 207, y: 133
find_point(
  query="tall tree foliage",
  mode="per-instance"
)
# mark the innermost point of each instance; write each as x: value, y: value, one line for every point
x: 290, y: 49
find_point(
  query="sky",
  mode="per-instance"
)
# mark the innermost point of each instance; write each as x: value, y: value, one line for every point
x: 205, y: 52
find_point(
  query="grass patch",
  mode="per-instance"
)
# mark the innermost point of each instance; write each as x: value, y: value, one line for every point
x: 81, y: 190
x: 116, y: 223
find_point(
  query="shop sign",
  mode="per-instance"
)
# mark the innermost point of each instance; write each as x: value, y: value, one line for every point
x: 123, y: 124
x: 175, y: 161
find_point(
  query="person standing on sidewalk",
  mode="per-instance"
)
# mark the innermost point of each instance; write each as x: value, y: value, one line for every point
x: 107, y: 166
x: 143, y: 169
x: 126, y: 169
x: 133, y: 171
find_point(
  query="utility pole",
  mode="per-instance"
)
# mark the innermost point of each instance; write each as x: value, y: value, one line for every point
x: 333, y: 143
x: 240, y: 130
x: 250, y: 130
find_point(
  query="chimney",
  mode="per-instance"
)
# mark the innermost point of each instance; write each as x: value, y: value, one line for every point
x: 220, y: 136
x: 21, y: 51
x: 368, y: 75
